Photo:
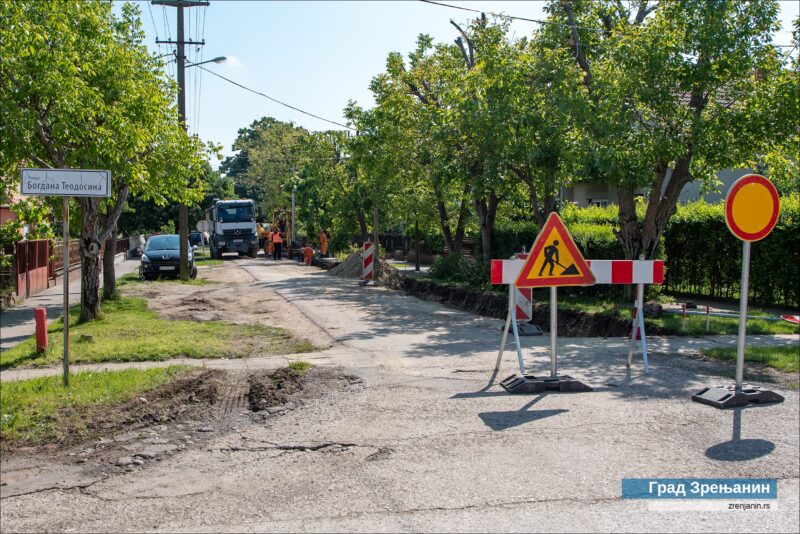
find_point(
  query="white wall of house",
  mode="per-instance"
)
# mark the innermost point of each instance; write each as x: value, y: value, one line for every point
x: 585, y: 194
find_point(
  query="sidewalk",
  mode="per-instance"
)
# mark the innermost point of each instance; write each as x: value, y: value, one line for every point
x: 17, y: 323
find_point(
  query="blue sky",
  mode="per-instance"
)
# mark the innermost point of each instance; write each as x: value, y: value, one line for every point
x: 313, y: 55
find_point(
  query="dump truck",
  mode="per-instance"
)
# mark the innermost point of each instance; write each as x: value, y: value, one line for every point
x: 232, y: 227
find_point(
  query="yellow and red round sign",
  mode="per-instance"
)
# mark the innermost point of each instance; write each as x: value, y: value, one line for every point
x: 752, y: 208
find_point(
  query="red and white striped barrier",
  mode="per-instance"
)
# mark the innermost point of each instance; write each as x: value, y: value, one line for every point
x: 629, y: 272
x: 524, y: 302
x: 605, y: 271
x: 368, y: 262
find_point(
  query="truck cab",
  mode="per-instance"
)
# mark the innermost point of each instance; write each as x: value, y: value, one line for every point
x: 232, y: 226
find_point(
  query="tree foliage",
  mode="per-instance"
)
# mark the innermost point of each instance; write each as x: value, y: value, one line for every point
x: 78, y: 89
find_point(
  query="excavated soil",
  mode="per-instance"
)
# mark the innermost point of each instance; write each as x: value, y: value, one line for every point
x: 571, y: 323
x: 185, y: 413
x: 234, y: 297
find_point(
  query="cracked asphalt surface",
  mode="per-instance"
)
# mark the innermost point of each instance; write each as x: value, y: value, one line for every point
x: 422, y: 444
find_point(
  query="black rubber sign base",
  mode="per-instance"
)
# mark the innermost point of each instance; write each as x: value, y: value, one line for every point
x: 726, y: 397
x: 527, y: 384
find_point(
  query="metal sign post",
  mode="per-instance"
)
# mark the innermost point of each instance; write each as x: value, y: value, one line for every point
x: 751, y: 212
x: 65, y: 214
x: 745, y: 287
x: 553, y: 330
x: 65, y: 183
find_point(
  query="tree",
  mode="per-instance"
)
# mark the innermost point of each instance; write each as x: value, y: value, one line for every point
x: 78, y: 89
x: 265, y: 161
x: 678, y: 91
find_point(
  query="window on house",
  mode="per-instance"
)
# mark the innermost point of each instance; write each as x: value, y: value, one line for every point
x: 599, y: 202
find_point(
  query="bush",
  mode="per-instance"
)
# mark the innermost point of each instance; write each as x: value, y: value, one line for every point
x: 704, y: 258
x: 455, y: 268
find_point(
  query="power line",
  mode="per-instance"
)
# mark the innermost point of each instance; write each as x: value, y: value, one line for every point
x: 275, y: 99
x: 441, y: 4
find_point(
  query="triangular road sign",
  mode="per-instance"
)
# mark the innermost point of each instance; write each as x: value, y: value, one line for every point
x: 555, y: 259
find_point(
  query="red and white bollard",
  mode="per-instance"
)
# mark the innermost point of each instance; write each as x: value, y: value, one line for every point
x: 368, y: 264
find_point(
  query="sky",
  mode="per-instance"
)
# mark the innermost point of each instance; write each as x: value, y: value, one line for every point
x: 314, y: 55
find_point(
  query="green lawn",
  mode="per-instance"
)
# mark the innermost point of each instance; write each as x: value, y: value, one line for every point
x: 129, y: 331
x: 785, y: 358
x: 42, y: 409
x: 695, y: 324
x: 202, y: 257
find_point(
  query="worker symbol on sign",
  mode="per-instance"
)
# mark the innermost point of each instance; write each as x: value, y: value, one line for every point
x: 550, y: 258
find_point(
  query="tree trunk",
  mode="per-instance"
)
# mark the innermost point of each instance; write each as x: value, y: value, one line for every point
x: 416, y: 242
x: 362, y: 224
x: 643, y: 237
x: 487, y: 212
x: 458, y: 239
x: 90, y: 259
x: 629, y: 234
x: 109, y: 274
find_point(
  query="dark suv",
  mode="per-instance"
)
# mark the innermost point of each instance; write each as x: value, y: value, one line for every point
x: 162, y: 257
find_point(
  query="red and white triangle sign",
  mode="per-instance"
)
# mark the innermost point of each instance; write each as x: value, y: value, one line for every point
x: 555, y: 259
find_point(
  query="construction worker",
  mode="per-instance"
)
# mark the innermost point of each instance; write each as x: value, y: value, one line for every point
x: 270, y: 246
x: 277, y: 243
x: 323, y: 243
x: 308, y: 254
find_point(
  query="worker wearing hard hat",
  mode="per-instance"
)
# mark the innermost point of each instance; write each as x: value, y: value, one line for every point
x: 277, y: 244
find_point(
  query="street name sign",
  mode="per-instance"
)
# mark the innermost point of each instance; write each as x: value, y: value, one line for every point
x: 554, y: 259
x: 66, y: 182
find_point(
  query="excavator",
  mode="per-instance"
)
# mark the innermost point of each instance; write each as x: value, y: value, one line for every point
x: 281, y: 219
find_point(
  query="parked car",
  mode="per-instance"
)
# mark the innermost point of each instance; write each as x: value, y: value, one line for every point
x: 162, y: 258
x: 195, y: 238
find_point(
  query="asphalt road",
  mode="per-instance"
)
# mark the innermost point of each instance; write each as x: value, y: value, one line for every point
x: 426, y: 445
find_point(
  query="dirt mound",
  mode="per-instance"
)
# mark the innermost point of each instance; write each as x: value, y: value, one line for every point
x: 349, y: 268
x: 185, y: 397
x: 272, y: 388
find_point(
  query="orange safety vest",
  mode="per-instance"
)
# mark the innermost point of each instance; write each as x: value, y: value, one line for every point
x: 323, y: 242
x: 277, y: 238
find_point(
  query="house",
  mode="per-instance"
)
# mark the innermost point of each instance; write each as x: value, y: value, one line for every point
x: 585, y: 194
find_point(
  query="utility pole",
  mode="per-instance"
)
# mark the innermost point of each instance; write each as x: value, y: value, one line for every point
x: 183, y: 209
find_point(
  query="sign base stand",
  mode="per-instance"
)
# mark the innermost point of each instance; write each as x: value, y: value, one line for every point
x: 527, y: 329
x: 526, y: 384
x: 369, y: 283
x: 726, y: 397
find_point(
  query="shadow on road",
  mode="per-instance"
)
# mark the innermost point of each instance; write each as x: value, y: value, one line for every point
x: 738, y: 449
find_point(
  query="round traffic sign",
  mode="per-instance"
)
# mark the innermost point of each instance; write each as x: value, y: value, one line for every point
x: 202, y: 225
x: 752, y: 207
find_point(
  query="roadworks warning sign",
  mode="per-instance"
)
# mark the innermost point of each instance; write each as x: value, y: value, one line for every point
x: 555, y: 259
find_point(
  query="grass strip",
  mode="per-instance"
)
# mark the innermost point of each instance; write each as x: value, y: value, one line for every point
x: 128, y: 331
x: 42, y: 409
x: 783, y: 358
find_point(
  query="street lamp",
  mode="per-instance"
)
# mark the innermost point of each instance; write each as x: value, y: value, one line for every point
x: 220, y: 59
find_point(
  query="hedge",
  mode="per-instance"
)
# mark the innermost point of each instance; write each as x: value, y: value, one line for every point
x: 702, y: 257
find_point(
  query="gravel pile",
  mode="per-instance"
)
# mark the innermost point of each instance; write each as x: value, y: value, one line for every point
x: 349, y: 268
